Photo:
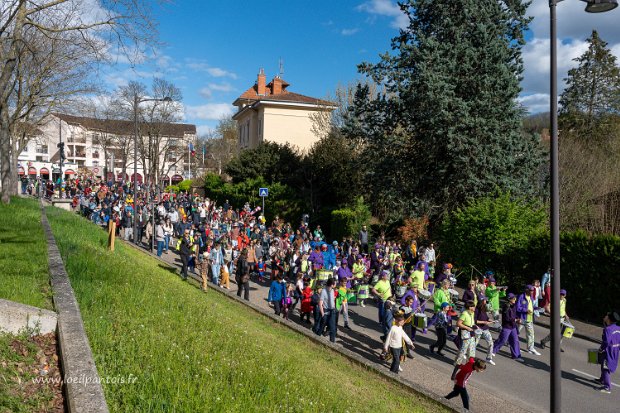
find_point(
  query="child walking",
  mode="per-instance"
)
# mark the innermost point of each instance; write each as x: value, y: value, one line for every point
x: 462, y: 376
x: 394, y: 342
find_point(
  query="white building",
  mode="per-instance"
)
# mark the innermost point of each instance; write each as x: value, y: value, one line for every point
x: 105, y: 146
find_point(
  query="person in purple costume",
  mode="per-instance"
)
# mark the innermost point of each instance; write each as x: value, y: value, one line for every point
x: 609, y: 350
x: 509, y: 329
x: 344, y: 273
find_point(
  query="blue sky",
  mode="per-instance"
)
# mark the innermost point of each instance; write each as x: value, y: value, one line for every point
x: 213, y: 49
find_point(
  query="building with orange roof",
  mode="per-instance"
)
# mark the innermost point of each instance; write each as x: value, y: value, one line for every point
x: 269, y: 112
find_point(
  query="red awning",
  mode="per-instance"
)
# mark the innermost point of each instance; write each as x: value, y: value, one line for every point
x: 32, y: 171
x: 20, y: 171
x: 177, y: 178
x: 44, y: 171
x: 69, y: 172
x: 139, y: 178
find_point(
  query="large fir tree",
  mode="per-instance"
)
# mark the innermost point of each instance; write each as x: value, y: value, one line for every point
x: 453, y: 79
x: 590, y: 104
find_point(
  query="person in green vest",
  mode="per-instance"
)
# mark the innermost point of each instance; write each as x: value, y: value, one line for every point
x: 383, y: 290
x: 467, y: 327
x: 494, y: 294
x: 342, y: 304
x: 563, y: 318
x: 417, y: 277
x: 441, y: 296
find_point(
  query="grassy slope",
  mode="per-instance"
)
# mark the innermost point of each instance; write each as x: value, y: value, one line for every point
x: 24, y: 275
x: 202, y: 352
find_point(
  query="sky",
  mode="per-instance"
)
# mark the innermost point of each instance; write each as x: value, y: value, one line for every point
x: 213, y: 49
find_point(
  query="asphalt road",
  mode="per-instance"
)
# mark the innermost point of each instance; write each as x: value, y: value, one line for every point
x: 509, y: 386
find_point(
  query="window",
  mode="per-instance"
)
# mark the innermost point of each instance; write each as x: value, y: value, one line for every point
x: 96, y: 154
x: 95, y: 163
x: 39, y: 159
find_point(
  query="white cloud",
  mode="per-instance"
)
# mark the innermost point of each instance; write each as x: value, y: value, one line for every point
x: 201, y: 66
x: 349, y: 32
x: 204, y: 130
x: 207, y: 91
x: 538, y: 102
x: 209, y: 111
x: 574, y: 26
x: 122, y: 77
x: 386, y: 8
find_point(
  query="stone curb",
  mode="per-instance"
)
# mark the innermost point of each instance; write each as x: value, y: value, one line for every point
x: 82, y: 385
x: 414, y: 387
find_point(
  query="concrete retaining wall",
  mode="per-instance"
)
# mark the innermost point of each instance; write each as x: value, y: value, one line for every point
x: 83, y: 391
x: 16, y: 318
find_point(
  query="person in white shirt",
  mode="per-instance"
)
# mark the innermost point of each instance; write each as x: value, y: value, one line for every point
x: 429, y: 253
x: 394, y: 342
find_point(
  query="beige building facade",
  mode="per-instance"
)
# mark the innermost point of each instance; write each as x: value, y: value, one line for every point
x: 271, y: 113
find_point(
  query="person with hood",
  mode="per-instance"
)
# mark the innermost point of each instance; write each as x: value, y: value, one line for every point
x: 329, y: 257
x: 609, y: 352
x: 509, y: 331
x: 316, y: 258
x: 525, y: 311
x: 345, y: 274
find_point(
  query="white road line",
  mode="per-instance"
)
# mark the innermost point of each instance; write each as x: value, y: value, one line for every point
x: 594, y: 377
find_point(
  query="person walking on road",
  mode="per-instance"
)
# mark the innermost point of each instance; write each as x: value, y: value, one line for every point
x: 563, y: 318
x: 441, y: 329
x: 525, y: 311
x: 383, y: 290
x: 394, y: 342
x: 277, y: 293
x: 467, y: 329
x: 481, y: 316
x: 609, y: 352
x: 327, y: 307
x: 242, y: 276
x: 509, y: 329
x: 461, y: 378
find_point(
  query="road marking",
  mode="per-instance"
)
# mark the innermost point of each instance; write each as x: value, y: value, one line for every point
x: 594, y: 377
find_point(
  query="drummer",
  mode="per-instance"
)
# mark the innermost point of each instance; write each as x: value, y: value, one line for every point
x: 417, y: 276
x: 408, y: 308
x: 467, y: 328
x: 563, y: 318
x: 493, y: 294
x: 609, y: 350
x: 383, y: 290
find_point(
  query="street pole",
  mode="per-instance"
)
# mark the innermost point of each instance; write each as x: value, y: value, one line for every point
x: 556, y: 368
x: 61, y: 155
x: 136, y: 101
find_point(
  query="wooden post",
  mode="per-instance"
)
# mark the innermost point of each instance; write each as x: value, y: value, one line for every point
x: 111, y: 234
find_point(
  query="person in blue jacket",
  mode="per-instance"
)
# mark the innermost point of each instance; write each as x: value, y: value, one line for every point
x: 277, y: 292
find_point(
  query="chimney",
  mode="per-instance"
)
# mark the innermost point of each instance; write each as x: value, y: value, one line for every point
x: 277, y: 85
x: 261, y: 82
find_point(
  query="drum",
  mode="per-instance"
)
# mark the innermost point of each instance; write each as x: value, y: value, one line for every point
x: 567, y: 329
x: 375, y: 279
x: 401, y: 290
x: 323, y: 274
x: 489, y: 308
x: 420, y: 320
x: 425, y: 294
x: 363, y: 292
x: 431, y: 286
x: 593, y: 356
x: 454, y: 295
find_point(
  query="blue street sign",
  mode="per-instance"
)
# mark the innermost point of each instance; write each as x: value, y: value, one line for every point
x: 263, y: 192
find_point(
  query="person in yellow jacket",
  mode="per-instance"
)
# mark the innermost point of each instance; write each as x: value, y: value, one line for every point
x: 441, y: 295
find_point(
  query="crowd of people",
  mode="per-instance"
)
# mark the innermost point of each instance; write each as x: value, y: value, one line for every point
x: 321, y: 279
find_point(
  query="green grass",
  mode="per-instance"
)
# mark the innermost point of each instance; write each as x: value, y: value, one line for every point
x: 23, y: 254
x: 195, y: 352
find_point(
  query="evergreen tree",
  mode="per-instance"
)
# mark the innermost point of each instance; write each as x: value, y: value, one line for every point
x: 590, y: 104
x: 452, y: 84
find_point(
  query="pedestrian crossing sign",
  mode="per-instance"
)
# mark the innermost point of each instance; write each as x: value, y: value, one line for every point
x: 263, y: 192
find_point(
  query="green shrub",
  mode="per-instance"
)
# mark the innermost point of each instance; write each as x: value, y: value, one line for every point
x: 185, y: 185
x: 172, y: 188
x: 486, y: 231
x: 343, y: 223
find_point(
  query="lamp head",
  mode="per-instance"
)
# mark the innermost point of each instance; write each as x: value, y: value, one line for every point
x: 600, y: 6
x: 169, y: 99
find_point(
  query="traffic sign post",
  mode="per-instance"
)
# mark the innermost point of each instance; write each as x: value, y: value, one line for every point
x: 263, y: 193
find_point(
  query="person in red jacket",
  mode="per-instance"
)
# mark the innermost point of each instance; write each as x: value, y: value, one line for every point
x: 462, y: 376
x: 306, y: 301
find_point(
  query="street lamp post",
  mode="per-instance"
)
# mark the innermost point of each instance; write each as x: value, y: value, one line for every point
x: 136, y: 101
x: 593, y: 6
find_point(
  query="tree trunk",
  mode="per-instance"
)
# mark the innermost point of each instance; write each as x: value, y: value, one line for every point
x: 7, y: 169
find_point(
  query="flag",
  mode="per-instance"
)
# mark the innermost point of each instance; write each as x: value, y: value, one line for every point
x: 191, y: 149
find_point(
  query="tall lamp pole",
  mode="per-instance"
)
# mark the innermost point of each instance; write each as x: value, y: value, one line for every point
x: 136, y: 101
x: 593, y: 6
